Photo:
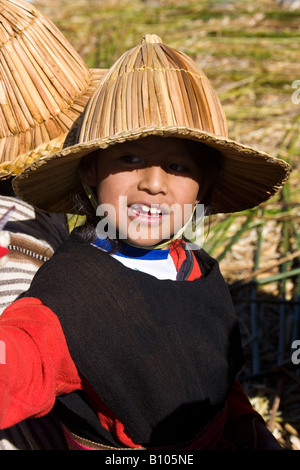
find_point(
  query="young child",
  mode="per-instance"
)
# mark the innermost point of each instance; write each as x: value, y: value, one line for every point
x: 132, y: 337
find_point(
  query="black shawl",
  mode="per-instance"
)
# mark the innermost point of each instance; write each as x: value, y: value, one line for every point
x: 161, y: 354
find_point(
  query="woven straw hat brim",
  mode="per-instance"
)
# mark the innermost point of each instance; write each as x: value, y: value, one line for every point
x: 247, y: 178
x: 44, y: 86
x: 153, y: 89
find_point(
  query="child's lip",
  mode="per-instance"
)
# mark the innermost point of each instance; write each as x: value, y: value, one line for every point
x: 146, y: 212
x: 149, y: 209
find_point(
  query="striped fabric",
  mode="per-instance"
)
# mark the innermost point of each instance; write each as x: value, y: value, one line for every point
x: 22, y: 263
x: 34, y: 236
x: 34, y: 434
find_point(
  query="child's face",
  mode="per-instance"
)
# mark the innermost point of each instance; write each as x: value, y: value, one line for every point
x: 149, y: 187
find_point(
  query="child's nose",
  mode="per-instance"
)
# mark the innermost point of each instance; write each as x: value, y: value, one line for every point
x: 153, y: 180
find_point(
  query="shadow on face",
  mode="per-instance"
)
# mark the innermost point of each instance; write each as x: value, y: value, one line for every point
x: 207, y: 159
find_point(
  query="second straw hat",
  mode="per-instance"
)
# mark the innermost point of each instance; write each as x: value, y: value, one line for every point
x: 44, y: 86
x: 154, y: 89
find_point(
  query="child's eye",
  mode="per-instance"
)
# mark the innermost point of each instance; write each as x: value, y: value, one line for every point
x: 178, y: 168
x: 130, y: 159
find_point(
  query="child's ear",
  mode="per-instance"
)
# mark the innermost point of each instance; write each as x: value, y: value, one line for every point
x: 88, y: 168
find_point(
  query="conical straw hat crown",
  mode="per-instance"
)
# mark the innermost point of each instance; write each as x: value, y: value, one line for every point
x: 44, y: 83
x: 152, y: 85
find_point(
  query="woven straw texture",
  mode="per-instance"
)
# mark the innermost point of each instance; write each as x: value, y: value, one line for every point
x: 155, y: 90
x: 45, y: 86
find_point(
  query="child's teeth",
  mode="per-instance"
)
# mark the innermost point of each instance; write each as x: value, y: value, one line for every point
x: 154, y: 211
x: 147, y: 209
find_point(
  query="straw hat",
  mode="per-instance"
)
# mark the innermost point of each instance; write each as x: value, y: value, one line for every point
x: 44, y: 86
x: 154, y: 90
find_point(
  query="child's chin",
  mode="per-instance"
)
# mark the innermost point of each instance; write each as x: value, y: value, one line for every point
x: 146, y: 243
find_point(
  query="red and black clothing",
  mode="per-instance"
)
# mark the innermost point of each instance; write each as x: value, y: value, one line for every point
x: 128, y: 359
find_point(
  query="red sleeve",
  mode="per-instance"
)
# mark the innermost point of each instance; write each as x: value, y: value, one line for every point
x: 238, y: 404
x: 37, y: 365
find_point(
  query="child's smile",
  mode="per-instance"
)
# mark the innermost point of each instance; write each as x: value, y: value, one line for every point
x: 147, y: 213
x: 151, y: 186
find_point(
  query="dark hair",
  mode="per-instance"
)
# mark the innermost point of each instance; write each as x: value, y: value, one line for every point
x: 82, y: 205
x: 6, y: 188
